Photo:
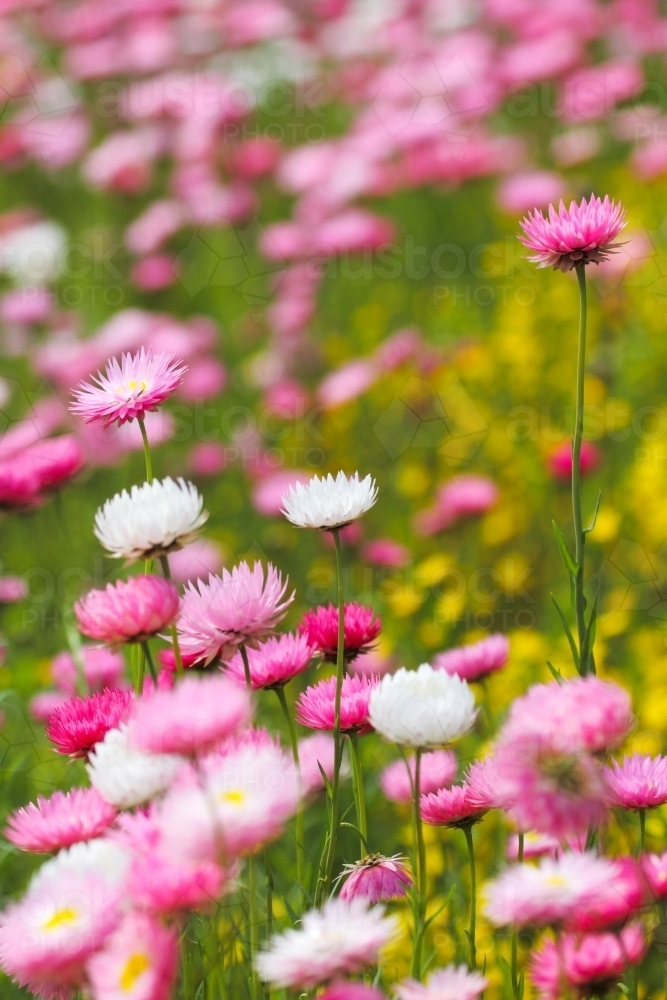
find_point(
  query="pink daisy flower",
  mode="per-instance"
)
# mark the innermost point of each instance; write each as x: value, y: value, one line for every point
x: 588, y: 964
x: 360, y: 630
x: 438, y: 769
x: 130, y: 389
x: 138, y: 961
x: 127, y: 611
x: 376, y: 879
x: 614, y: 903
x: 341, y: 938
x: 315, y: 707
x: 315, y: 752
x: 191, y: 717
x: 42, y: 467
x: 535, y: 845
x: 640, y: 782
x: 461, y: 805
x: 451, y: 983
x: 575, y: 236
x: 241, y: 606
x: 82, y: 722
x: 475, y: 661
x: 102, y: 668
x: 59, y: 821
x: 274, y: 662
x: 344, y: 990
x: 654, y: 867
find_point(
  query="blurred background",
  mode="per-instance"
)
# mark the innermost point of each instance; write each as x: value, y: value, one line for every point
x: 314, y: 203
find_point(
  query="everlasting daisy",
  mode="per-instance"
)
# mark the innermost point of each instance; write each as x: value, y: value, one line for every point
x: 462, y: 805
x: 422, y: 708
x: 130, y: 389
x: 128, y: 611
x: 151, y: 520
x: 360, y: 630
x: 654, y: 867
x: 438, y: 769
x: 376, y: 879
x: 640, y: 782
x: 126, y: 777
x: 315, y: 707
x: 274, y: 662
x: 138, y: 961
x: 612, y: 904
x: 451, y: 983
x: 575, y: 236
x: 535, y: 845
x: 588, y: 965
x: 60, y: 821
x: 475, y: 661
x: 241, y: 606
x: 190, y: 718
x: 78, y: 725
x: 340, y: 938
x: 344, y: 989
x: 329, y: 503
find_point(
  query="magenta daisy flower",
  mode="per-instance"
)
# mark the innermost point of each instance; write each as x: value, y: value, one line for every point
x: 80, y: 723
x: 361, y: 629
x: 274, y: 662
x: 640, y: 782
x: 376, y: 879
x: 461, y: 805
x: 575, y: 236
x: 60, y: 821
x: 130, y: 389
x: 316, y: 706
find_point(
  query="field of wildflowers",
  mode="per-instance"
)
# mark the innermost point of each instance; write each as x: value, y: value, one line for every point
x: 333, y: 464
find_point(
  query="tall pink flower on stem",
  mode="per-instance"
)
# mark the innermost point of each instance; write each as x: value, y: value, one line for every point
x: 477, y: 660
x: 361, y: 629
x: 274, y: 662
x: 127, y: 611
x: 316, y: 705
x: 570, y: 239
x: 587, y: 965
x: 129, y: 390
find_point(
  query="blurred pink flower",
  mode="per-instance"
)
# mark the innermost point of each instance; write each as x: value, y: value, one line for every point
x: 591, y: 92
x: 123, y: 162
x: 314, y: 752
x: 315, y: 706
x: 127, y: 611
x: 462, y: 496
x: 205, y: 377
x: 80, y: 723
x: 12, y: 589
x: 376, y: 879
x: 256, y: 157
x: 346, y: 383
x: 654, y: 868
x: 560, y: 460
x: 286, y: 399
x: 195, y: 561
x: 523, y: 191
x: 26, y: 306
x: 102, y: 668
x: 451, y: 983
x: 267, y: 496
x: 192, y: 717
x: 572, y: 237
x: 208, y: 458
x: 438, y: 770
x: 44, y: 704
x: 386, y: 552
x: 535, y: 845
x: 59, y: 821
x: 475, y: 661
x: 372, y: 662
x: 151, y: 274
x: 588, y: 965
x: 139, y: 959
x: 639, y: 782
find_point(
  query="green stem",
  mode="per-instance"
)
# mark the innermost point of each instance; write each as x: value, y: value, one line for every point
x: 642, y: 830
x: 149, y: 660
x: 147, y: 450
x: 420, y: 915
x: 268, y: 876
x: 280, y: 692
x: 579, y: 536
x: 515, y: 939
x: 246, y: 666
x: 254, y: 924
x: 359, y: 797
x: 324, y: 885
x: 141, y: 664
x: 166, y: 572
x: 473, y: 896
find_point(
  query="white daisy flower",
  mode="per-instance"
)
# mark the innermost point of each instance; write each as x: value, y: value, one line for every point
x: 327, y: 502
x: 150, y: 520
x: 422, y: 708
x: 126, y: 777
x: 341, y: 938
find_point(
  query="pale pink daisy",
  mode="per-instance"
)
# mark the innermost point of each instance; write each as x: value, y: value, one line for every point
x: 360, y: 630
x: 475, y: 661
x: 316, y: 706
x: 315, y: 752
x: 59, y: 821
x: 81, y: 723
x: 462, y: 805
x: 376, y: 879
x: 588, y: 964
x: 438, y: 770
x: 548, y: 893
x: 341, y: 938
x: 191, y: 717
x: 127, y: 611
x: 575, y: 236
x: 451, y: 983
x: 138, y: 961
x: 274, y: 662
x: 612, y: 904
x: 241, y: 606
x: 639, y: 782
x: 130, y: 389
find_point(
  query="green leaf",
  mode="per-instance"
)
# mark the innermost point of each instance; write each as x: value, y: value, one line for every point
x: 589, y: 636
x: 520, y: 985
x: 326, y: 781
x: 571, y: 564
x: 556, y: 674
x: 444, y: 905
x: 356, y: 829
x: 568, y: 633
x: 590, y: 527
x: 506, y: 972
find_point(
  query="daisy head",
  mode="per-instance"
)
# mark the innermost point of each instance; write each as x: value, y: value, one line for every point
x: 329, y: 503
x: 575, y: 236
x: 128, y: 390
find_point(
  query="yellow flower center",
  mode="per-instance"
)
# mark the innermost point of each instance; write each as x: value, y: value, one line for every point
x: 135, y: 967
x: 235, y: 797
x: 558, y: 881
x: 60, y: 917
